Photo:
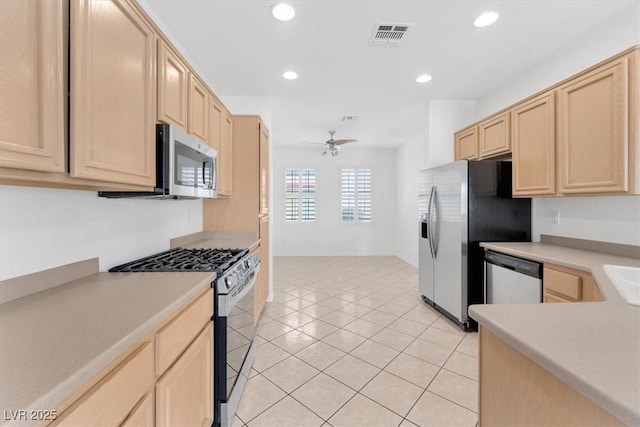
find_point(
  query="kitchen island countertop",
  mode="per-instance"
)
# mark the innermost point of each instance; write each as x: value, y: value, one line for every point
x: 592, y: 346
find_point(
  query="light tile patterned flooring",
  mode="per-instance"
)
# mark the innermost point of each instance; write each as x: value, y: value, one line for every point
x: 348, y: 342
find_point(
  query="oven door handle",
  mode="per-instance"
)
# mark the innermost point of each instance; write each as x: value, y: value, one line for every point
x: 227, y: 302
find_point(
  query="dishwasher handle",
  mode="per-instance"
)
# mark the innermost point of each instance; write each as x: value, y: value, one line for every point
x: 523, y: 266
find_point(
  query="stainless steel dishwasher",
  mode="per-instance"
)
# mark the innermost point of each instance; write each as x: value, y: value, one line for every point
x: 511, y: 280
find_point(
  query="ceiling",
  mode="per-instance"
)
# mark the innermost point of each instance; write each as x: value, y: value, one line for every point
x: 242, y: 51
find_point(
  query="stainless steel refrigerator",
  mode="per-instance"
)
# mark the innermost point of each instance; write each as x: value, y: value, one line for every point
x: 461, y: 204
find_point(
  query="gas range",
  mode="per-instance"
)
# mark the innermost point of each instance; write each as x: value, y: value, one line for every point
x: 233, y: 316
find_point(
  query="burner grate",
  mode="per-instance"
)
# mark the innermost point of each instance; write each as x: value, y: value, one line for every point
x: 180, y: 259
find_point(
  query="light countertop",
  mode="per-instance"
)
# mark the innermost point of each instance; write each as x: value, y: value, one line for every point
x: 592, y: 346
x: 218, y: 239
x: 53, y: 342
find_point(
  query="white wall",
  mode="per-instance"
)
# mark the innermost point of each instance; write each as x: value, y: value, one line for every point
x: 432, y: 145
x: 260, y: 105
x: 613, y: 36
x: 445, y: 118
x: 328, y: 235
x: 42, y: 228
x: 607, y: 218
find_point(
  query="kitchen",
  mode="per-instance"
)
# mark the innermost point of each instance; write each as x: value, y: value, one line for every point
x: 118, y: 231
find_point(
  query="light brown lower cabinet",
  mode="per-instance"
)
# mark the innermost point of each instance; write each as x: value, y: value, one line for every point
x: 184, y: 395
x: 516, y: 391
x: 563, y: 284
x: 143, y: 415
x: 262, y: 283
x: 165, y: 380
x: 111, y: 400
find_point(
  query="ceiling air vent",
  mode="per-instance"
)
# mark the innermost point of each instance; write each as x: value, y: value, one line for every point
x: 388, y: 34
x: 349, y: 118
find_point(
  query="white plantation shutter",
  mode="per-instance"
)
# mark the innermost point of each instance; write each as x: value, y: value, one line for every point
x: 300, y: 195
x: 356, y: 195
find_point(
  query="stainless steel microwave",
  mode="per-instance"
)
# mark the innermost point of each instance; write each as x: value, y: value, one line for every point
x: 185, y: 168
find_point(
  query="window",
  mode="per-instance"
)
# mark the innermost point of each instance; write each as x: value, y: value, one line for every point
x: 356, y: 195
x: 300, y: 195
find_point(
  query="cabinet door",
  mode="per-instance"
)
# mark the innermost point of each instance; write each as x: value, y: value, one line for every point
x: 262, y: 285
x: 534, y: 146
x: 112, y: 399
x: 184, y: 395
x: 264, y: 169
x: 173, y: 85
x: 32, y: 85
x: 226, y: 147
x: 593, y: 123
x: 113, y: 93
x: 495, y: 135
x: 143, y: 415
x: 215, y: 125
x: 466, y: 144
x: 198, y: 109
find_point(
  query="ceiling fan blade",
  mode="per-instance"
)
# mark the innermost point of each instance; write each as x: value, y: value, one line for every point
x: 309, y: 142
x: 343, y: 141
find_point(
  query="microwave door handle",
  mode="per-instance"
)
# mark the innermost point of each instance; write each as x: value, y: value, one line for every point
x: 204, y: 176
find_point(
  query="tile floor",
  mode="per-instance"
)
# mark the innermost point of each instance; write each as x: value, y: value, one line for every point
x: 348, y: 342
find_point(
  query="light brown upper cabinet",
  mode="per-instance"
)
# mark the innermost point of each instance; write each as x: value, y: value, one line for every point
x: 226, y: 154
x: 198, y: 109
x: 220, y: 124
x: 466, y: 144
x: 494, y: 135
x: 113, y: 93
x: 534, y: 146
x: 593, y: 130
x: 32, y: 85
x: 264, y: 169
x: 173, y: 85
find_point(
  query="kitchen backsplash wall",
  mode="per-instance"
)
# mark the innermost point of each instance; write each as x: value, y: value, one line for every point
x: 605, y: 218
x: 328, y: 235
x: 42, y: 228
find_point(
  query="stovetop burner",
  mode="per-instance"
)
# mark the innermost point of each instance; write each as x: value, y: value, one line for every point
x: 180, y: 259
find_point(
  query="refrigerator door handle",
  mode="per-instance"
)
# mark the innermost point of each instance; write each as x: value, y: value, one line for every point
x: 429, y: 229
x: 436, y: 235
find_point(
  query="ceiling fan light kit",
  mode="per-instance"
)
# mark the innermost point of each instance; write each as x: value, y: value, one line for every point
x: 332, y: 145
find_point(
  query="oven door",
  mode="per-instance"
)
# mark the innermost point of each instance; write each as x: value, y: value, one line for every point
x: 234, y: 349
x: 192, y: 166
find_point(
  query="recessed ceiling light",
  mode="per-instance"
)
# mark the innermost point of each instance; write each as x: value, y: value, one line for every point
x: 486, y: 19
x: 283, y: 12
x: 423, y: 78
x: 290, y: 75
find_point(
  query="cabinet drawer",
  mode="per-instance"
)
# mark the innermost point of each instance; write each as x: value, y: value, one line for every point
x: 110, y: 401
x: 174, y: 338
x: 566, y: 285
x: 553, y: 298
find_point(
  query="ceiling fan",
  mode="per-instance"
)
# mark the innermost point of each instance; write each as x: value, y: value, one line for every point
x: 332, y: 145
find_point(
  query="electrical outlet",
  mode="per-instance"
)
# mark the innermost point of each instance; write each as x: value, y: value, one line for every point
x: 556, y: 217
